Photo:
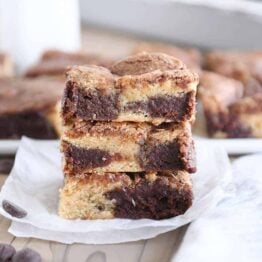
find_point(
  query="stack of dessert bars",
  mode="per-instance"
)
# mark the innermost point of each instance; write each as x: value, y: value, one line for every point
x: 127, y: 144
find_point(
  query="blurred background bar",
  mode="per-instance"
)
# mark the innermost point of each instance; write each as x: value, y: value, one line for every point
x: 202, y: 23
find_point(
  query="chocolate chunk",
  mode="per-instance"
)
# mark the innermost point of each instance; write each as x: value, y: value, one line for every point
x: 169, y: 107
x: 27, y: 255
x: 31, y: 124
x: 93, y: 105
x: 87, y: 158
x: 6, y: 252
x: 96, y: 105
x: 165, y: 157
x: 13, y: 210
x: 174, y: 108
x: 150, y: 200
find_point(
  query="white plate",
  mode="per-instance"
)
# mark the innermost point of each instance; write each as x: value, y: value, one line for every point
x: 9, y: 147
x: 236, y: 146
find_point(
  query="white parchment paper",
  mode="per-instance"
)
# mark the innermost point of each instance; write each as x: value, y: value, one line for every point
x: 36, y: 178
x: 233, y: 230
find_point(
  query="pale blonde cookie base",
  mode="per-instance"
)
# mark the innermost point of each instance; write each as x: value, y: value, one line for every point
x: 120, y: 139
x: 141, y: 92
x: 80, y: 199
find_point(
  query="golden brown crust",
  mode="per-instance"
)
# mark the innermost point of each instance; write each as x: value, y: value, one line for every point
x: 145, y: 63
x: 140, y: 69
x: 91, y: 76
x: 175, y: 178
x: 190, y: 56
x: 180, y: 78
x: 124, y: 130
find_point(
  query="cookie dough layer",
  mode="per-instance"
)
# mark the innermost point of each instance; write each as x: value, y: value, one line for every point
x: 126, y: 195
x: 229, y: 113
x: 152, y: 88
x: 128, y: 147
x: 26, y: 107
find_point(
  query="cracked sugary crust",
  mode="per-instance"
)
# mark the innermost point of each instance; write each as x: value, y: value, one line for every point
x: 189, y: 56
x: 146, y: 63
x: 55, y: 63
x: 155, y: 195
x: 229, y: 111
x: 144, y: 67
x: 91, y: 77
x: 124, y: 130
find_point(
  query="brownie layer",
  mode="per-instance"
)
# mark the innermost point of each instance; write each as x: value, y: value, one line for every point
x: 31, y: 124
x: 128, y: 147
x: 145, y: 88
x: 99, y: 106
x: 126, y: 195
